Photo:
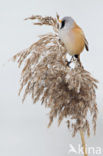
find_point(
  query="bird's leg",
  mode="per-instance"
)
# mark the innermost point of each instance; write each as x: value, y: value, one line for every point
x: 69, y: 62
x: 72, y: 58
x: 78, y: 60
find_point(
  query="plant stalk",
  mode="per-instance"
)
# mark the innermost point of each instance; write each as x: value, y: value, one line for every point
x: 83, y: 143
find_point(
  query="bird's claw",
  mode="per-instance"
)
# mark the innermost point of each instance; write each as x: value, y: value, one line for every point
x: 68, y: 63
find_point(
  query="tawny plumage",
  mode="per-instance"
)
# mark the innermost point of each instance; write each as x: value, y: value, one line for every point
x: 72, y: 36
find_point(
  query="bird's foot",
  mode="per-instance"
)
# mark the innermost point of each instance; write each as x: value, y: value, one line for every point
x: 68, y: 63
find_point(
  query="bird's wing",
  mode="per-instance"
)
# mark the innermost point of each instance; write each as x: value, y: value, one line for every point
x: 86, y: 44
x: 84, y: 38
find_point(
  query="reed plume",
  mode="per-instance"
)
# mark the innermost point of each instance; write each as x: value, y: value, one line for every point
x: 68, y: 92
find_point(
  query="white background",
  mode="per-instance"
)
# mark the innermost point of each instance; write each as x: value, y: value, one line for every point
x: 23, y: 127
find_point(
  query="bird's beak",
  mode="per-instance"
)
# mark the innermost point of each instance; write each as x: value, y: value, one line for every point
x: 60, y: 21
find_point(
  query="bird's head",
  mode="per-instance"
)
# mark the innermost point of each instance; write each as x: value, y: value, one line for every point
x: 66, y: 23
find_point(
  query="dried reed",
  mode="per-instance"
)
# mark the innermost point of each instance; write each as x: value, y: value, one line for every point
x: 68, y: 92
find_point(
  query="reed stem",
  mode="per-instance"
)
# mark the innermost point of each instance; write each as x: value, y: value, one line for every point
x: 83, y: 143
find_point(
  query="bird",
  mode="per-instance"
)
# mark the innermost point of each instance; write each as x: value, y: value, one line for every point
x: 73, y: 37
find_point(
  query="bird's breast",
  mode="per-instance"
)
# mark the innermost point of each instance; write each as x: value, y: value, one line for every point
x: 74, y: 41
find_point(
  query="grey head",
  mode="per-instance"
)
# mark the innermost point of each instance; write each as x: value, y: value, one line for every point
x: 67, y: 23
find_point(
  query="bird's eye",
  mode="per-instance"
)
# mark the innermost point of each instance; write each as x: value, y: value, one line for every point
x: 62, y: 24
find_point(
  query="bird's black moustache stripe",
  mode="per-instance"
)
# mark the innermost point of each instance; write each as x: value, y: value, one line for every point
x: 62, y: 24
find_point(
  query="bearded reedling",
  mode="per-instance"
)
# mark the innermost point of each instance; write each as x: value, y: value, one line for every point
x: 73, y: 37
